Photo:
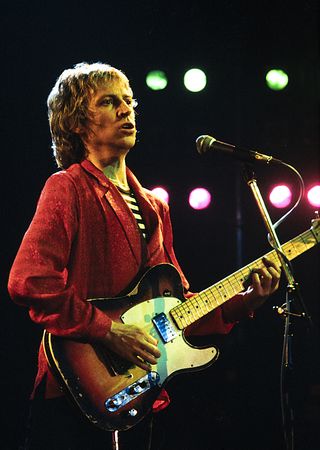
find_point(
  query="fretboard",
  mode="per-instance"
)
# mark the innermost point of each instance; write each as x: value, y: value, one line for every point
x: 209, y: 299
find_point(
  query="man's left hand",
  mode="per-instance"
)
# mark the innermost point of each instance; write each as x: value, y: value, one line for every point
x: 264, y: 282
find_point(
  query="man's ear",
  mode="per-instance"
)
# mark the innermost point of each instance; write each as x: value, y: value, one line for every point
x: 76, y: 126
x: 78, y: 130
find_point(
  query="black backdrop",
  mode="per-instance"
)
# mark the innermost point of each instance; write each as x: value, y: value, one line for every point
x: 236, y: 403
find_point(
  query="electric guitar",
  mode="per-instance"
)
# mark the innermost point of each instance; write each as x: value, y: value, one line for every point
x: 113, y: 393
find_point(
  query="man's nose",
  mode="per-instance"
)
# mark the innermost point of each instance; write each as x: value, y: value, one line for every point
x: 124, y: 109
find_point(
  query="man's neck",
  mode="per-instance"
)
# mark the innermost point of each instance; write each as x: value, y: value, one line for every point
x: 116, y: 172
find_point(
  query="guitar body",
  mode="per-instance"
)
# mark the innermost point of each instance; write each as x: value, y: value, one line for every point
x: 111, y: 392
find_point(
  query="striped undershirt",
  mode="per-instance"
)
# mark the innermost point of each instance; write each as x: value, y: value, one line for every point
x: 131, y: 201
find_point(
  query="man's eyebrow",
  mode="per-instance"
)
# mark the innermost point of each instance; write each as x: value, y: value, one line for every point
x: 115, y: 96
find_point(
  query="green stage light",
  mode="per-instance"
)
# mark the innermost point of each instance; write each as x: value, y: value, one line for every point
x: 195, y: 80
x: 277, y: 79
x: 156, y: 80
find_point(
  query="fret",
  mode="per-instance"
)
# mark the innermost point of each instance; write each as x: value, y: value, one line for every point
x: 291, y: 250
x: 236, y: 282
x: 196, y: 307
x: 307, y: 240
x: 183, y: 308
x: 315, y: 231
x: 178, y: 318
x: 221, y: 292
x: 214, y: 295
x: 300, y: 244
x: 208, y: 300
x: 193, y: 309
x: 202, y: 304
x: 230, y: 288
x: 243, y: 275
x: 204, y: 301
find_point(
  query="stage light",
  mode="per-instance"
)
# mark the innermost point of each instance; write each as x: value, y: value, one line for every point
x: 195, y: 80
x: 156, y: 80
x: 280, y: 196
x: 277, y: 79
x: 161, y: 193
x: 199, y: 198
x: 313, y: 195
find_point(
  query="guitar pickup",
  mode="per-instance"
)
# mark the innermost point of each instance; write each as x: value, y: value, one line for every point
x: 164, y: 327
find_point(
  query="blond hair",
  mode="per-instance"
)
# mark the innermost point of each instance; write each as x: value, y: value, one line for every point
x: 68, y: 108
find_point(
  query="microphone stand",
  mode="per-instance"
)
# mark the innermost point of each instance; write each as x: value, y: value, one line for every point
x: 291, y: 292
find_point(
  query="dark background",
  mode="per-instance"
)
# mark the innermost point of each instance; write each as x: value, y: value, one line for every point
x: 236, y: 403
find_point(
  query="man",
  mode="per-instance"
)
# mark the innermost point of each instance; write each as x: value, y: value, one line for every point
x: 95, y: 230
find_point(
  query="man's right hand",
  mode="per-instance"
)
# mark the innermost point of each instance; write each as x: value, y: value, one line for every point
x: 132, y: 343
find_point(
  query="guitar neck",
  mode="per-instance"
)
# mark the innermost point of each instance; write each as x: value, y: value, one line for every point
x: 214, y: 296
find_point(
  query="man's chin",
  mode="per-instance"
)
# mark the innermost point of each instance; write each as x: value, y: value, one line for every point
x: 128, y: 142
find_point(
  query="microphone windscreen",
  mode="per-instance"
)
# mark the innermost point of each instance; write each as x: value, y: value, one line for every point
x: 203, y: 143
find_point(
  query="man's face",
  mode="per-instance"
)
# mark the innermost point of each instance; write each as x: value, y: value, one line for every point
x: 111, y: 119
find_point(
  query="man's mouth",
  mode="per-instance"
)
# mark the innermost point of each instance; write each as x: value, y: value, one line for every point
x: 128, y: 126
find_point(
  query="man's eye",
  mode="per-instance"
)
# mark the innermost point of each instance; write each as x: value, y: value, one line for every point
x: 107, y: 101
x: 132, y: 102
x: 115, y: 102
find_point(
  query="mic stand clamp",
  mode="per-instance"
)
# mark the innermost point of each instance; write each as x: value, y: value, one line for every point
x: 282, y: 311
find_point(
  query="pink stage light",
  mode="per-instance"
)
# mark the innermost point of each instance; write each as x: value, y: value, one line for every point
x: 280, y: 196
x: 313, y: 195
x: 199, y: 198
x: 162, y: 193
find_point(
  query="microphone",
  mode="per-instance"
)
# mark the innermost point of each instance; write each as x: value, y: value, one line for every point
x: 207, y: 143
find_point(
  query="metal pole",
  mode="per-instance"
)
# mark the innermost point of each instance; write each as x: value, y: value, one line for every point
x: 115, y: 440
